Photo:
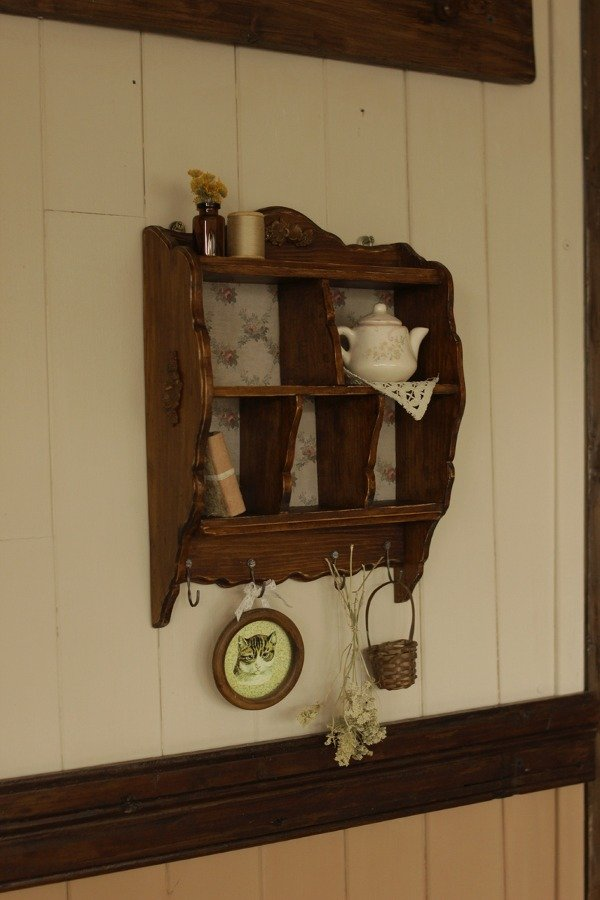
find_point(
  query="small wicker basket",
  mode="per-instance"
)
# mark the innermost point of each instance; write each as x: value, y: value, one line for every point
x: 394, y: 663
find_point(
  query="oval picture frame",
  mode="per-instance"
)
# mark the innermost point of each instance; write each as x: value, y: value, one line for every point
x: 258, y: 660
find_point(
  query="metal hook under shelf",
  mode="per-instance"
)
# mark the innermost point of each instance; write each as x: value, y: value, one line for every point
x: 252, y: 565
x: 188, y: 572
x: 395, y: 580
x: 387, y: 547
x: 340, y: 583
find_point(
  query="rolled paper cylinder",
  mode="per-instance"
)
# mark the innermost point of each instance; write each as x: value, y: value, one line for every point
x: 246, y: 234
x: 222, y: 495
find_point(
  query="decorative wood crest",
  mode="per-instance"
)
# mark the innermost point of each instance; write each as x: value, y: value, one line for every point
x: 281, y: 230
x: 173, y: 389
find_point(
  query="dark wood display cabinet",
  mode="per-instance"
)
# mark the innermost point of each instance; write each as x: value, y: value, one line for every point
x: 305, y: 263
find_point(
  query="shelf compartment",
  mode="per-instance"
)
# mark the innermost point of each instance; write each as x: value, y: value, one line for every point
x: 347, y: 433
x: 268, y: 429
x: 309, y: 347
x: 424, y: 451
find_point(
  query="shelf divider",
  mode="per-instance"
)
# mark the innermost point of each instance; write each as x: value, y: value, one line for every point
x: 268, y: 429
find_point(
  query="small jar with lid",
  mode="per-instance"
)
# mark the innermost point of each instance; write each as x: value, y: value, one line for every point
x: 246, y: 235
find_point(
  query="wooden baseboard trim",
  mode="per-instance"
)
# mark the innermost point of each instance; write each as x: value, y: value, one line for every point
x: 66, y: 825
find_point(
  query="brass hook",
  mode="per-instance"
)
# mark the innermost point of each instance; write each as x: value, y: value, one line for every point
x: 188, y: 567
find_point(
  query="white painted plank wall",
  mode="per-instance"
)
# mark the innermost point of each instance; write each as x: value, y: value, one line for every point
x: 366, y: 157
x: 485, y: 178
x: 28, y: 660
x: 447, y: 209
x: 519, y: 241
x: 93, y: 176
x: 567, y: 183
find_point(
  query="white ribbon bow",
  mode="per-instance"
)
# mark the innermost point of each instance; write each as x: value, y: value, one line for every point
x: 253, y: 592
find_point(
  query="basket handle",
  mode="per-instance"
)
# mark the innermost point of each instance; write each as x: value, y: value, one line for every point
x: 409, y: 595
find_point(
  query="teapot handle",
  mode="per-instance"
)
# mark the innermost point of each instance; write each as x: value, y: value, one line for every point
x: 349, y: 334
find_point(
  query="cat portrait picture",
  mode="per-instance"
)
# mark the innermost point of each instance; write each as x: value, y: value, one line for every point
x: 257, y: 661
x: 256, y: 654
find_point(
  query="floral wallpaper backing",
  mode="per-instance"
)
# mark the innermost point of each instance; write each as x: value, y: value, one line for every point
x: 243, y: 323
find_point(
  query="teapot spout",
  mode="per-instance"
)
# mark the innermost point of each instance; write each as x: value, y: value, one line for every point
x: 415, y: 337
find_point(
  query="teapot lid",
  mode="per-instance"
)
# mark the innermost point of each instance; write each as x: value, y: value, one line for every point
x: 380, y: 316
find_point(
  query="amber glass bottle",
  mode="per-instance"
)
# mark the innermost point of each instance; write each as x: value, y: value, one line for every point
x: 209, y: 230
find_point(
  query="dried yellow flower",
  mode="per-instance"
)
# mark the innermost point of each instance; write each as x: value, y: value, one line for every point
x: 206, y: 187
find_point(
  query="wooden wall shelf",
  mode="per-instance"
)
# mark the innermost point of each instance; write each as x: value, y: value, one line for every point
x: 289, y: 542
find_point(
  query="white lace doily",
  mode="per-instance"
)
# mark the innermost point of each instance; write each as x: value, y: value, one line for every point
x: 413, y: 396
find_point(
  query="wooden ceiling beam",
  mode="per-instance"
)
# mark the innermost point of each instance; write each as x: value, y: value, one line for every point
x: 488, y: 40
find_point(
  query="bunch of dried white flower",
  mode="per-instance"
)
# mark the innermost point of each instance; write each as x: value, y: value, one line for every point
x: 355, y: 726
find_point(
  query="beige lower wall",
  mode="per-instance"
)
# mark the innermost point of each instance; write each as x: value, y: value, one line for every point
x: 501, y: 850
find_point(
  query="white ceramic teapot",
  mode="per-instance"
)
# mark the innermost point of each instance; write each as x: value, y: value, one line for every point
x: 381, y: 348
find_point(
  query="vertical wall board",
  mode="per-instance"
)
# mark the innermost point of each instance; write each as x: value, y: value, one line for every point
x: 29, y: 710
x: 458, y: 615
x: 391, y: 621
x: 281, y: 124
x: 194, y: 714
x: 386, y: 861
x: 314, y: 609
x: 529, y: 846
x: 282, y: 161
x: 568, y: 311
x: 92, y: 119
x: 191, y: 127
x: 464, y: 853
x: 24, y: 454
x: 108, y: 651
x: 519, y: 231
x: 189, y: 123
x: 570, y: 843
x: 46, y: 892
x: 20, y: 148
x: 226, y: 876
x: 136, y: 884
x: 308, y: 867
x: 365, y: 131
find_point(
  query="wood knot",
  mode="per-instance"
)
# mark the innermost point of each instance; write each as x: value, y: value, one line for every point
x: 446, y: 10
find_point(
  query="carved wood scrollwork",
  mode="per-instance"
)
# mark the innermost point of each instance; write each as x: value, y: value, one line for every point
x: 173, y: 389
x: 280, y: 231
